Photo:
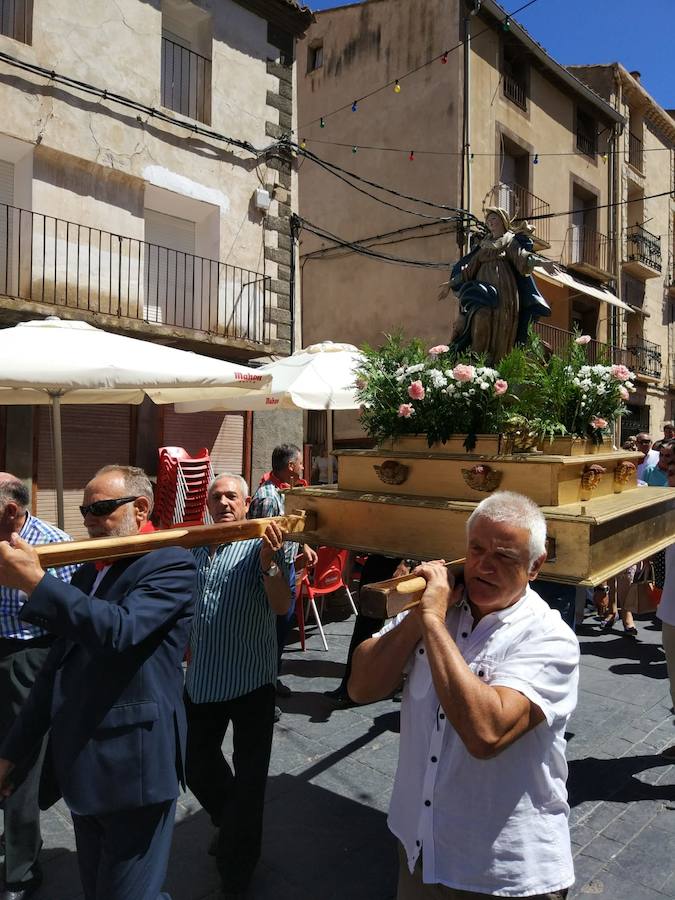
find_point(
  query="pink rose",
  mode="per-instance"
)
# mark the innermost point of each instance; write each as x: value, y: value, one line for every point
x: 440, y: 348
x: 464, y: 373
x: 623, y: 393
x: 620, y: 372
x: 501, y: 386
x: 597, y: 422
x: 406, y: 410
x: 583, y: 339
x: 416, y: 391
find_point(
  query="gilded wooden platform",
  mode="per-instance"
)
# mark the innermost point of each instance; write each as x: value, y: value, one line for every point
x: 594, y: 532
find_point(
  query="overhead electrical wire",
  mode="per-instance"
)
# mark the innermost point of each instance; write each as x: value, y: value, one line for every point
x: 299, y: 222
x: 120, y: 99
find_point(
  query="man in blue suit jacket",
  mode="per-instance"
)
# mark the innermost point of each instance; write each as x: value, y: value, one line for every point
x: 110, y: 691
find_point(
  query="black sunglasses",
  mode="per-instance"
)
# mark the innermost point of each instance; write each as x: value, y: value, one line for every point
x: 104, y: 507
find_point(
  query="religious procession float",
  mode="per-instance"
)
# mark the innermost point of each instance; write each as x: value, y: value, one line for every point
x: 494, y: 409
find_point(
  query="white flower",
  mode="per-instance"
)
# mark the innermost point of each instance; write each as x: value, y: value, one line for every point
x: 411, y: 370
x: 484, y: 385
x: 450, y: 389
x: 449, y: 373
x: 400, y: 371
x: 471, y: 391
x: 438, y: 379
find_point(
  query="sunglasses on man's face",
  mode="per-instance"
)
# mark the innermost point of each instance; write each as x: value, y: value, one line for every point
x: 104, y: 507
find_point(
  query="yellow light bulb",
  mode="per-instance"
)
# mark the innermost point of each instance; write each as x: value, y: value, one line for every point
x: 397, y: 87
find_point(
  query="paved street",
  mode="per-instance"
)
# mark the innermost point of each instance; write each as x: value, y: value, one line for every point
x: 332, y: 772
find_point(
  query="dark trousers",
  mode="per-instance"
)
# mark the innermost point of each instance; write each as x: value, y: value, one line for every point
x: 20, y: 661
x: 283, y: 628
x: 124, y: 855
x: 234, y: 800
x: 375, y: 568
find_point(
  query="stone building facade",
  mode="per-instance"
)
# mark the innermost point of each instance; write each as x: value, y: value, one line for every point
x: 136, y: 194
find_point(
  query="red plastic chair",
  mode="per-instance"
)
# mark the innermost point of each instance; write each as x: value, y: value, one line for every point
x: 326, y: 578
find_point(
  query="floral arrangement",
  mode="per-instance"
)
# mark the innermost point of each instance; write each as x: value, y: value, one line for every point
x: 566, y: 394
x: 411, y: 389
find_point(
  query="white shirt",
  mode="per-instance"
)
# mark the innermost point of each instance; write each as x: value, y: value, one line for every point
x: 651, y: 459
x: 496, y: 826
x: 666, y: 608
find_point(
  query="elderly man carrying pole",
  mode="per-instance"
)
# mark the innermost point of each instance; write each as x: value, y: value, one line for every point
x: 109, y: 692
x: 479, y: 804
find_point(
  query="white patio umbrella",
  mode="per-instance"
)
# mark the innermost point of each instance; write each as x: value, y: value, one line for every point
x: 54, y: 361
x: 318, y: 377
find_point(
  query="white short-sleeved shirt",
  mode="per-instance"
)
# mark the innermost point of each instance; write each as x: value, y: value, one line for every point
x: 497, y: 826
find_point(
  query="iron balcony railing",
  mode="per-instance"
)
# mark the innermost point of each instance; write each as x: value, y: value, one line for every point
x: 586, y: 143
x: 186, y: 81
x: 16, y: 19
x: 642, y: 357
x: 596, y: 351
x: 646, y: 358
x: 64, y: 264
x: 635, y: 154
x: 585, y: 247
x: 644, y: 247
x: 515, y: 90
x: 522, y: 204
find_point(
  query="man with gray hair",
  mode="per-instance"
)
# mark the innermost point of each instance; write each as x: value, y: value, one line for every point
x: 479, y: 804
x: 23, y: 650
x: 231, y: 677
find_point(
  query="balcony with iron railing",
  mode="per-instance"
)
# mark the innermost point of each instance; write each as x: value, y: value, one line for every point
x: 186, y: 81
x: 635, y: 152
x: 643, y: 252
x: 54, y: 264
x: 587, y: 251
x: 642, y: 357
x: 587, y: 143
x: 515, y: 90
x: 522, y: 204
x: 646, y: 359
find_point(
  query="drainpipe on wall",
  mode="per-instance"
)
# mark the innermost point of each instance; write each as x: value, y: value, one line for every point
x: 467, y: 199
x: 295, y: 228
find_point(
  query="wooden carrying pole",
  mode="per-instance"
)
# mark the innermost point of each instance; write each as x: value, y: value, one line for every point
x: 384, y: 599
x: 194, y: 536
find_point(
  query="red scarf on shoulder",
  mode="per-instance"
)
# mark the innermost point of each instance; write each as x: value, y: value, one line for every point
x: 270, y: 477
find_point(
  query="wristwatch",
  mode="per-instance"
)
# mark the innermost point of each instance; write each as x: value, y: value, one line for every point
x: 272, y: 571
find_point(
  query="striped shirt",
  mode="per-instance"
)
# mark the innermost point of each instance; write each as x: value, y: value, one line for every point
x: 233, y: 641
x: 268, y: 501
x: 34, y: 531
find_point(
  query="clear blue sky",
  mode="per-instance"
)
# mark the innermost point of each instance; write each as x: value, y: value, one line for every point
x: 640, y: 34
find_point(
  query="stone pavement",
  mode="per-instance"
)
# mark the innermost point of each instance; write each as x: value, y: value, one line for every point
x: 332, y: 771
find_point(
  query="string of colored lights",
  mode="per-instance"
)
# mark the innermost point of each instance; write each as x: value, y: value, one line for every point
x: 395, y: 83
x: 412, y: 153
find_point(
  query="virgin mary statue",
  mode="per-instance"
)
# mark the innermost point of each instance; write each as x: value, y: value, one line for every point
x: 497, y: 294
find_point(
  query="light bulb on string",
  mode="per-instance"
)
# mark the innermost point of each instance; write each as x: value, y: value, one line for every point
x: 355, y: 106
x: 535, y: 161
x: 603, y: 156
x: 355, y: 149
x: 506, y: 26
x: 322, y: 122
x: 303, y: 144
x: 444, y: 58
x: 471, y: 157
x: 411, y: 157
x: 397, y: 87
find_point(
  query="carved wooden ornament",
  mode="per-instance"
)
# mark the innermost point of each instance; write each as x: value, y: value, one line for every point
x: 482, y: 478
x: 392, y: 472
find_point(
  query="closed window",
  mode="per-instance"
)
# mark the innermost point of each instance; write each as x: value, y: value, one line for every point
x: 315, y: 57
x: 16, y: 20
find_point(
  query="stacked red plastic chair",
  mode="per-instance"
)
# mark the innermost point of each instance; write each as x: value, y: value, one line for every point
x: 182, y: 484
